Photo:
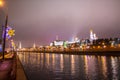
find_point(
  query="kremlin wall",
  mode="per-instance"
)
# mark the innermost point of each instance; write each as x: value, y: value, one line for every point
x: 91, y: 45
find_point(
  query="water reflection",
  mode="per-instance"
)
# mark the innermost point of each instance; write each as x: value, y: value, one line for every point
x: 61, y: 62
x: 72, y: 65
x: 104, y: 66
x: 114, y: 63
x: 50, y: 66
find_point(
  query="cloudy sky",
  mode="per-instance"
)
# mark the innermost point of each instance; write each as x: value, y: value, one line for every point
x: 40, y: 21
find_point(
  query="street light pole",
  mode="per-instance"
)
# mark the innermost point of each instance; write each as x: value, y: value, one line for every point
x: 4, y: 30
x: 4, y: 38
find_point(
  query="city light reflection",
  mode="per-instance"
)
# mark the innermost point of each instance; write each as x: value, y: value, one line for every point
x: 62, y: 65
x: 114, y: 67
x: 61, y: 62
x: 86, y: 64
x: 104, y: 66
x: 72, y: 65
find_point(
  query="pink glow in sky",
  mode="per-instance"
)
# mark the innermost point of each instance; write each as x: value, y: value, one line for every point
x: 40, y: 21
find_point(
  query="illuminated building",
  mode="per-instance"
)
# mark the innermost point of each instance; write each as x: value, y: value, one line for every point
x: 92, y: 36
x: 34, y: 46
x: 51, y: 44
x: 58, y: 42
x: 63, y: 43
x: 20, y: 46
x: 74, y: 40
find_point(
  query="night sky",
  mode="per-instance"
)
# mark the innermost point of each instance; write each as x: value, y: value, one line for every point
x: 39, y: 21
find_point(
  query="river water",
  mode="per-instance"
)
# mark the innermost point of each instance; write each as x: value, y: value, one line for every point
x: 51, y: 66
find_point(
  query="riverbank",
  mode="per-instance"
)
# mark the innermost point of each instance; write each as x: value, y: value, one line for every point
x: 95, y: 51
x: 52, y: 66
x: 20, y: 74
x: 107, y: 53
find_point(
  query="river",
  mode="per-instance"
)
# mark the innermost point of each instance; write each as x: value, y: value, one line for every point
x: 51, y: 66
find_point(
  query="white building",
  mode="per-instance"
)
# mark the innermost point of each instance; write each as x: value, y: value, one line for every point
x: 92, y: 36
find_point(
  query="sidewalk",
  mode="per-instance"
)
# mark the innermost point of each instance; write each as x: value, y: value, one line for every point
x: 8, y: 68
x: 20, y: 71
x: 11, y: 68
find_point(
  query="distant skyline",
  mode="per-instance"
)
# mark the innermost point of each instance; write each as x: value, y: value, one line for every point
x: 39, y: 21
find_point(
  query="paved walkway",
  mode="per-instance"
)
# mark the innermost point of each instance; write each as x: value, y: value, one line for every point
x: 20, y: 72
x: 11, y: 68
x: 8, y: 68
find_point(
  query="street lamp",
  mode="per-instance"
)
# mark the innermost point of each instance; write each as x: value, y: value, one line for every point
x: 4, y: 36
x: 1, y: 3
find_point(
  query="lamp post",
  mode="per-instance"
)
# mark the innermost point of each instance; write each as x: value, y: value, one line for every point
x: 4, y: 38
x: 4, y: 35
x: 1, y: 3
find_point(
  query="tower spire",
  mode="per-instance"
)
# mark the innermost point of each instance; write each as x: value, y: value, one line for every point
x: 56, y: 37
x: 34, y: 45
x: 20, y: 45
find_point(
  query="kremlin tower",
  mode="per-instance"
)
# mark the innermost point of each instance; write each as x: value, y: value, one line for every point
x: 92, y: 36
